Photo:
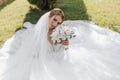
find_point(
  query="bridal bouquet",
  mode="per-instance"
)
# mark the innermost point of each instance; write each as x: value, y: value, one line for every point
x: 62, y: 33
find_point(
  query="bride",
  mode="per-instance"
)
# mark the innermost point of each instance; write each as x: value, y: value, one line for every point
x: 94, y: 53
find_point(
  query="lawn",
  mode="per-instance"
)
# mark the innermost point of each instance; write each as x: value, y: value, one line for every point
x: 105, y: 13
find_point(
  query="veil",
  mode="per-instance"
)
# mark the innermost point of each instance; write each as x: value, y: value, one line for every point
x: 34, y: 45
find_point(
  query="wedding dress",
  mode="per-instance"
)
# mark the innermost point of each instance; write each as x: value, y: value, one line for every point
x: 94, y: 54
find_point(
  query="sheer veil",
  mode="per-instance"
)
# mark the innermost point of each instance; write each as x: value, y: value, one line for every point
x: 36, y: 42
x: 33, y: 45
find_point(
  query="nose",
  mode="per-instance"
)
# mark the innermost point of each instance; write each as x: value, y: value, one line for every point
x: 55, y: 24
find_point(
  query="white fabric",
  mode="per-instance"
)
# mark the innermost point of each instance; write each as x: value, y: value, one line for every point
x: 93, y: 55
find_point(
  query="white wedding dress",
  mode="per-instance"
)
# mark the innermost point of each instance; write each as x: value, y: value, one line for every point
x: 93, y: 55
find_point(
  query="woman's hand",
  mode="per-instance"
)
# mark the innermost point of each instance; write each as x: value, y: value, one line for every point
x: 65, y: 43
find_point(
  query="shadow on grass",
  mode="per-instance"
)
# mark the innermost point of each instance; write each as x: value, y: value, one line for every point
x: 33, y: 16
x: 74, y: 9
x: 5, y: 3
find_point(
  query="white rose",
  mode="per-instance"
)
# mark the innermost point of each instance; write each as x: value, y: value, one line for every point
x: 64, y: 38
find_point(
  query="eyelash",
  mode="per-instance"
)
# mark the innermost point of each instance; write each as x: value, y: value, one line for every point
x: 56, y: 20
x: 58, y: 23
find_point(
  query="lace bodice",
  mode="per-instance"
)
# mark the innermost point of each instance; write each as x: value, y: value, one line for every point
x: 55, y: 48
x: 56, y: 52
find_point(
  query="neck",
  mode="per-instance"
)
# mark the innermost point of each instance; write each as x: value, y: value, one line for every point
x: 50, y: 29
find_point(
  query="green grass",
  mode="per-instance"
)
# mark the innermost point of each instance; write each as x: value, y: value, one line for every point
x: 12, y: 17
x: 105, y: 13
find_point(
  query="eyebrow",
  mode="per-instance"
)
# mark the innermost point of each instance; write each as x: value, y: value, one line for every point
x: 56, y: 20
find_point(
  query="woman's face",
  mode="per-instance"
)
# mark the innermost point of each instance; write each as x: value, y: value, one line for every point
x: 54, y: 21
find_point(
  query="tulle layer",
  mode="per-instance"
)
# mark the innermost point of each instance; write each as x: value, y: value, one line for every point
x: 93, y: 55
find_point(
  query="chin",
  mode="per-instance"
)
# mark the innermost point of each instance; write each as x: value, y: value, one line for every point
x: 52, y: 27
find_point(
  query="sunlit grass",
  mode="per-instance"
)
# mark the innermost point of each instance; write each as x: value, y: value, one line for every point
x: 12, y: 17
x: 105, y: 13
